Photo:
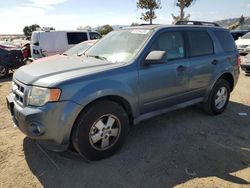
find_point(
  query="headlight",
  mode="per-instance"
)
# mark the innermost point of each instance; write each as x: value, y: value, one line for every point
x: 39, y: 96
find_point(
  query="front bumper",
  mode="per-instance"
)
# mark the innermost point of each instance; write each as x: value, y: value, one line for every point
x: 51, y: 123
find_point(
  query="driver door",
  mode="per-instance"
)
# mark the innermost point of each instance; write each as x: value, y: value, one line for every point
x: 165, y: 84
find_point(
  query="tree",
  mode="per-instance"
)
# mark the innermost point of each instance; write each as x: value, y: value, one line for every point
x: 27, y: 30
x: 238, y: 25
x: 182, y: 4
x: 105, y: 29
x: 242, y: 20
x: 150, y: 6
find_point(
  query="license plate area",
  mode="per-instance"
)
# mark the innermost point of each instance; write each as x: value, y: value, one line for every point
x: 10, y: 105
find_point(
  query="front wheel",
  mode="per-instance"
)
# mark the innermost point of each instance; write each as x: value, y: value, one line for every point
x: 218, y: 98
x: 100, y: 130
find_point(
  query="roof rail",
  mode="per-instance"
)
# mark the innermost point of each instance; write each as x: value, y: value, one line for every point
x: 197, y: 23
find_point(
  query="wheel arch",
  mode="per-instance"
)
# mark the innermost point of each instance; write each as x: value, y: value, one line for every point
x: 114, y: 98
x: 229, y: 77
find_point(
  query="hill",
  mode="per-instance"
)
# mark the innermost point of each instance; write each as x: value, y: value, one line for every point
x: 230, y: 21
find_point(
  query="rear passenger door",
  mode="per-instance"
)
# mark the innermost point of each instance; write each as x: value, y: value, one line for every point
x: 202, y: 59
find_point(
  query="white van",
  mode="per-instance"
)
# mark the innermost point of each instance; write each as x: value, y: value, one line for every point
x: 46, y: 43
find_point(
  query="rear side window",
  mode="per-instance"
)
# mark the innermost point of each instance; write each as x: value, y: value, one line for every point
x: 75, y: 37
x: 200, y: 43
x: 226, y: 41
x: 94, y: 36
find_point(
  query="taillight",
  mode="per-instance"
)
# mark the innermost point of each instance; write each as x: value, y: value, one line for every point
x: 238, y: 60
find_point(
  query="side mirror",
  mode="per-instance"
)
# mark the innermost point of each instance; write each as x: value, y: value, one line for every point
x: 155, y: 57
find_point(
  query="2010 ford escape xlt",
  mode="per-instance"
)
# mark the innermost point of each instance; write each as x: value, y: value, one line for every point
x: 132, y: 74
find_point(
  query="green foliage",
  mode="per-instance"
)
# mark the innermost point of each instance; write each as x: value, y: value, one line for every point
x: 105, y: 29
x: 27, y: 30
x: 242, y: 20
x: 182, y: 4
x: 150, y: 6
x: 134, y: 24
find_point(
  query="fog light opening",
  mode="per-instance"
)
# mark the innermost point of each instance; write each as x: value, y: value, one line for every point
x: 36, y: 129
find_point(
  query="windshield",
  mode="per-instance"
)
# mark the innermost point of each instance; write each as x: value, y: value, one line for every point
x: 246, y: 36
x: 80, y: 48
x: 119, y: 46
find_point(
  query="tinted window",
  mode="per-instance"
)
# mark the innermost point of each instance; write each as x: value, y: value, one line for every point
x: 225, y: 40
x: 75, y: 38
x: 172, y: 43
x: 200, y: 43
x: 94, y: 36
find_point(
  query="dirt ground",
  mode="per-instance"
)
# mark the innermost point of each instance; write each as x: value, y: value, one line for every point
x: 184, y: 148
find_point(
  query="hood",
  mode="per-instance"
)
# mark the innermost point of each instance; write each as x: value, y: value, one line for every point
x: 242, y: 42
x: 48, y: 71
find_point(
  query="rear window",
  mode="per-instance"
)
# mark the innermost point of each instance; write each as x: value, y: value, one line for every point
x: 226, y: 41
x: 200, y: 43
x: 75, y: 37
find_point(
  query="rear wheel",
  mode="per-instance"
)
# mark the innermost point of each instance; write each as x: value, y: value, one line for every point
x: 4, y: 71
x: 218, y: 98
x: 100, y: 130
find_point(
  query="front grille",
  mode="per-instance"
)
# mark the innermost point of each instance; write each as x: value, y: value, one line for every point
x: 19, y: 92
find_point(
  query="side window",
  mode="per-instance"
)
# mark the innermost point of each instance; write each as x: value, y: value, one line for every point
x: 94, y: 36
x: 200, y: 43
x: 172, y: 43
x: 226, y: 41
x: 76, y: 37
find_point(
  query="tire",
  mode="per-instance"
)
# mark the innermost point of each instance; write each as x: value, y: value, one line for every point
x: 100, y: 130
x: 218, y: 98
x: 4, y: 71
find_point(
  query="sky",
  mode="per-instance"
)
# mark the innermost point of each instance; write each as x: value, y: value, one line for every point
x: 70, y: 14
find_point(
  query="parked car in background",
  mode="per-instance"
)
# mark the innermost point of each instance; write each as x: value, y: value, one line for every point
x: 47, y: 43
x: 10, y: 59
x: 80, y: 48
x: 7, y: 46
x: 245, y: 65
x: 243, y: 44
x: 26, y: 51
x: 239, y: 33
x: 130, y: 75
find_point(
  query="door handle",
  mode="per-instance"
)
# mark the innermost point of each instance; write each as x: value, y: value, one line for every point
x: 214, y: 62
x: 181, y: 68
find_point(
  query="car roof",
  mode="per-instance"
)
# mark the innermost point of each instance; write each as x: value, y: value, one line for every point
x: 158, y: 26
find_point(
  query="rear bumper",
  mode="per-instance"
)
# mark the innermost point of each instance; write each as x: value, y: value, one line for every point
x: 51, y: 123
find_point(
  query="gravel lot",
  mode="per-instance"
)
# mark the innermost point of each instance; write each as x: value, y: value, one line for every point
x: 184, y: 148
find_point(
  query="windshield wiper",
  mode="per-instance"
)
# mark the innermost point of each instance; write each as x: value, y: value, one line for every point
x: 97, y: 57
